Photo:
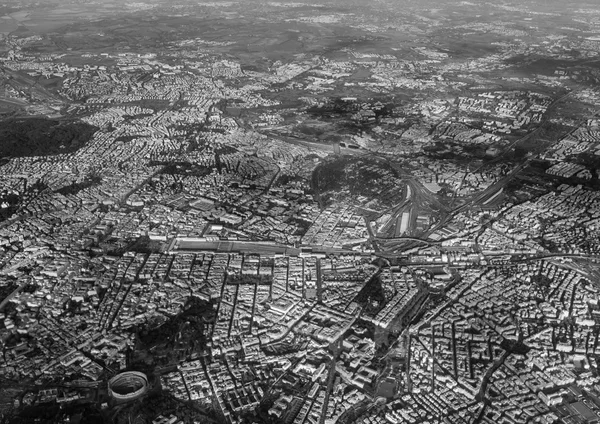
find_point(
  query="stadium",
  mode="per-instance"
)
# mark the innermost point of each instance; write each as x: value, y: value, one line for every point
x: 128, y: 386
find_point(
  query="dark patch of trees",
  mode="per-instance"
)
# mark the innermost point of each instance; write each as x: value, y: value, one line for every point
x: 76, y: 187
x: 145, y: 245
x: 42, y: 137
x: 515, y: 346
x: 128, y: 138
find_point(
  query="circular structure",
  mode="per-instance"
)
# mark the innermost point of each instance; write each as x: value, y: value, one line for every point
x: 128, y: 386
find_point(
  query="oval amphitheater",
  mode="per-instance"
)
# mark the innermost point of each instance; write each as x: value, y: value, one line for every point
x: 128, y: 385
